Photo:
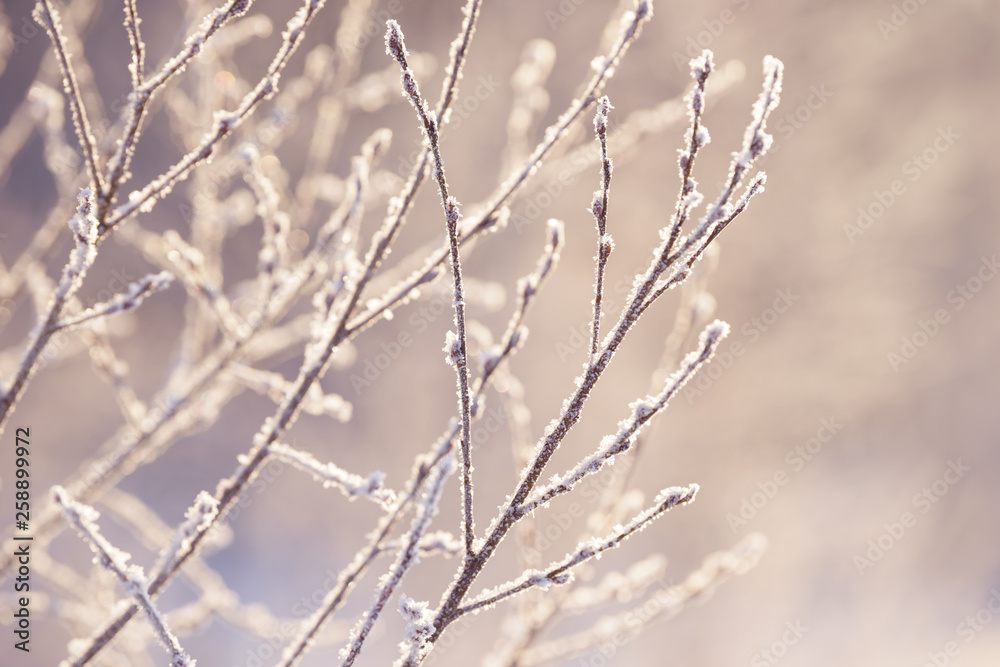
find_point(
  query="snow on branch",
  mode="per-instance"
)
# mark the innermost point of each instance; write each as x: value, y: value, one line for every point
x: 47, y: 15
x: 599, y: 208
x: 84, y: 518
x: 642, y: 411
x: 137, y: 292
x: 457, y: 342
x: 351, y: 485
x: 559, y: 573
x: 409, y: 556
x: 276, y: 387
x: 666, y: 602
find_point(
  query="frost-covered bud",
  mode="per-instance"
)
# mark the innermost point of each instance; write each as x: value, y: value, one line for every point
x: 411, y: 610
x: 692, y: 198
x: 601, y: 117
x: 675, y: 495
x: 702, y: 66
x: 599, y: 63
x: 451, y: 211
x: 716, y: 331
x: 83, y: 223
x: 697, y: 101
x: 490, y: 358
x: 518, y: 337
x: 556, y: 229
x: 607, y: 244
x: 394, y: 45
x: 705, y: 306
x: 701, y: 137
x: 453, y: 349
x: 597, y: 206
x: 644, y: 408
x: 544, y: 581
x: 683, y: 159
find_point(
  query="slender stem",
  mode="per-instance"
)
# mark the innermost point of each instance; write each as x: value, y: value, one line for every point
x: 47, y: 15
x: 600, y: 211
x: 456, y: 347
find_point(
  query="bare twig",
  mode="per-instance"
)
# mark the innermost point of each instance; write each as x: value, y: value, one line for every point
x: 131, y: 576
x: 47, y: 15
x: 599, y: 208
x: 456, y: 347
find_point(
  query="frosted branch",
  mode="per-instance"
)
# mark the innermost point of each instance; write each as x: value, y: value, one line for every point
x: 599, y: 208
x: 225, y: 121
x: 84, y: 518
x: 276, y: 387
x: 496, y: 213
x: 137, y: 292
x: 351, y: 485
x: 48, y: 17
x: 406, y: 559
x: 81, y: 258
x: 558, y: 573
x: 458, y: 353
x: 665, y: 603
x: 643, y: 411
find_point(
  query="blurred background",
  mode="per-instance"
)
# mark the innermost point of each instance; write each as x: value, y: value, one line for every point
x: 850, y: 424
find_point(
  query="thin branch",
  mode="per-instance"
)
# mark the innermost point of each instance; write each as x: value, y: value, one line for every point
x: 275, y: 386
x: 137, y: 68
x: 143, y: 90
x: 351, y: 485
x: 558, y: 573
x: 495, y: 212
x: 697, y: 137
x: 177, y: 404
x: 137, y: 292
x: 667, y: 602
x: 84, y: 227
x: 47, y: 15
x: 636, y: 303
x: 599, y: 208
x: 406, y: 559
x: 643, y: 411
x: 456, y: 346
x: 513, y: 338
x: 131, y: 576
x: 225, y: 122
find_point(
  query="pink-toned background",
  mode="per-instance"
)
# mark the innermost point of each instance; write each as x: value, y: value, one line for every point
x: 860, y: 101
